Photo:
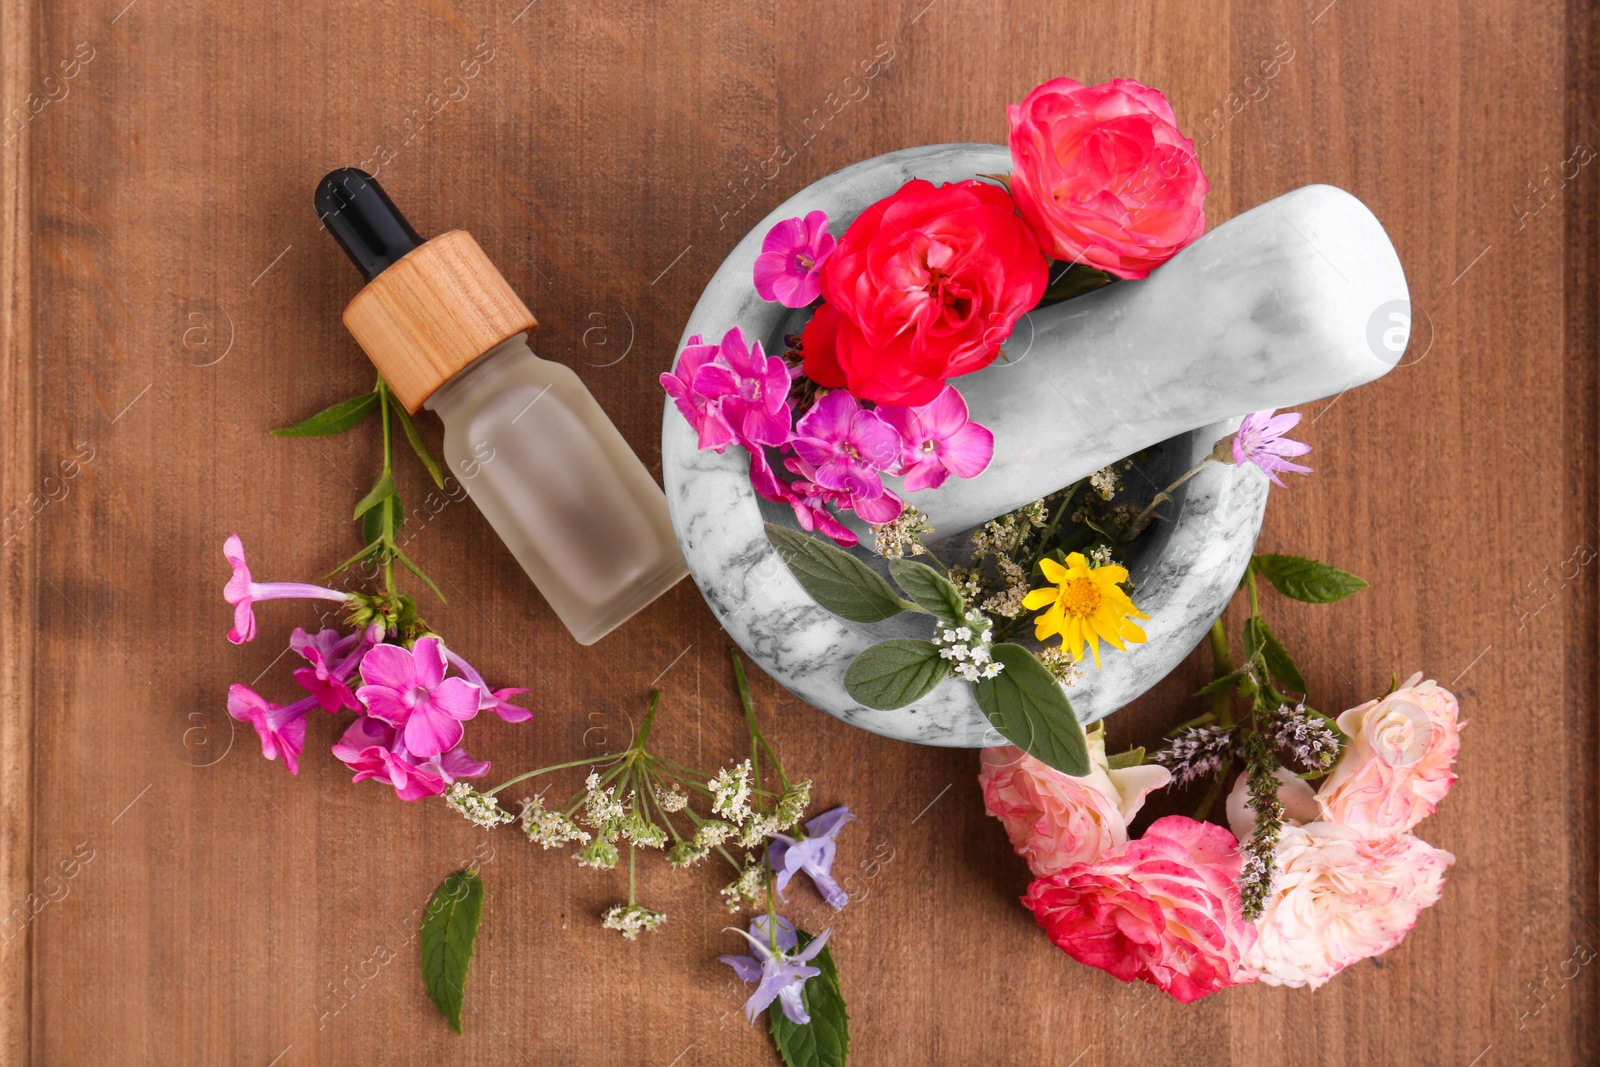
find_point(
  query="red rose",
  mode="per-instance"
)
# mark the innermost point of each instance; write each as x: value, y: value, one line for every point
x: 924, y: 286
x: 1104, y: 177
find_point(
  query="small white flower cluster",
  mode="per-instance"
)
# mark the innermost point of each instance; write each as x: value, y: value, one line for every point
x: 1105, y: 482
x: 599, y: 854
x: 1059, y: 662
x: 730, y: 792
x: 481, y: 809
x: 967, y: 647
x: 1100, y: 556
x: 548, y: 829
x: 672, y: 799
x: 1007, y: 603
x: 999, y: 537
x: 792, y: 804
x: 1307, y: 735
x: 903, y: 536
x: 748, y: 887
x: 630, y: 919
x: 603, y: 810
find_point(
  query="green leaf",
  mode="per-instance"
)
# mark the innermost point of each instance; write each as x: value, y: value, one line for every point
x: 1075, y: 281
x: 1131, y: 758
x: 892, y: 674
x: 930, y: 589
x: 383, y: 521
x: 1279, y: 664
x: 1026, y: 704
x: 825, y: 1041
x: 378, y: 494
x: 449, y: 929
x: 345, y: 415
x: 1307, y: 580
x: 1217, y: 685
x: 415, y: 438
x: 414, y: 569
x: 372, y: 546
x: 835, y: 579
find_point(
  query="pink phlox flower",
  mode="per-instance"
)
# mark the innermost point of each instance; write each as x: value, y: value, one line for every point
x: 752, y: 388
x: 242, y: 591
x: 702, y: 412
x: 809, y: 494
x: 333, y: 657
x: 789, y: 268
x: 490, y: 700
x: 282, y: 729
x: 849, y: 446
x: 374, y: 749
x: 938, y: 440
x: 408, y: 690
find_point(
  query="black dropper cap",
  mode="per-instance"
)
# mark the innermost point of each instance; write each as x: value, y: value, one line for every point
x: 365, y: 222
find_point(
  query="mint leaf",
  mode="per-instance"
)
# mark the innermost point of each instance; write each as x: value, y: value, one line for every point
x: 892, y: 674
x: 1308, y: 580
x: 825, y: 1041
x: 835, y: 579
x: 449, y: 929
x: 1026, y: 704
x: 1279, y: 663
x: 345, y: 415
x: 415, y: 438
x: 930, y: 589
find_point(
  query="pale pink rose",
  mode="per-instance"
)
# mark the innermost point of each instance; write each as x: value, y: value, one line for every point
x: 1163, y: 909
x: 1338, y: 898
x: 1055, y: 820
x: 1396, y: 766
x: 1294, y: 793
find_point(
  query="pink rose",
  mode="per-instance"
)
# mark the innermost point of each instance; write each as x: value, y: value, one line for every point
x: 1163, y: 909
x: 923, y: 287
x: 1337, y: 898
x: 1055, y: 820
x: 1396, y: 767
x: 1104, y: 177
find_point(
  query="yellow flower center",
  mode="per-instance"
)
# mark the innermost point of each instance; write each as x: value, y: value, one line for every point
x: 1080, y: 597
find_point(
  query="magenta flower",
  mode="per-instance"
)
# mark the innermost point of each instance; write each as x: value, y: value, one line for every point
x: 282, y: 729
x: 373, y: 749
x: 937, y: 440
x: 789, y: 268
x: 1260, y: 442
x: 848, y: 445
x: 807, y: 494
x: 241, y: 591
x: 490, y: 700
x: 812, y: 855
x: 408, y: 690
x: 702, y: 412
x: 332, y: 657
x: 780, y: 973
x: 752, y: 389
x: 810, y: 502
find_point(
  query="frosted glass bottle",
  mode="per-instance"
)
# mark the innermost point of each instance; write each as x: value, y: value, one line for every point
x: 532, y: 447
x: 560, y: 486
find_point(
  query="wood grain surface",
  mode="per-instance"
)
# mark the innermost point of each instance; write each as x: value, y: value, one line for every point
x: 169, y: 298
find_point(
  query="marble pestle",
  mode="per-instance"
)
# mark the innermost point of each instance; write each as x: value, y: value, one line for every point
x: 1298, y: 299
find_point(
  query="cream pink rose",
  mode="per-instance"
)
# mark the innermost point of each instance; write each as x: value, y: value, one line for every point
x: 1338, y: 898
x: 1396, y: 766
x: 1103, y: 176
x: 1055, y: 820
x: 1163, y: 909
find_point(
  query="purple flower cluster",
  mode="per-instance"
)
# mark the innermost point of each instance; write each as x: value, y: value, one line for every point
x: 839, y: 451
x: 408, y: 732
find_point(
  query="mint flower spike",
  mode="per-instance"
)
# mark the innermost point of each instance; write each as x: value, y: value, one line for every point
x: 242, y: 591
x: 779, y: 972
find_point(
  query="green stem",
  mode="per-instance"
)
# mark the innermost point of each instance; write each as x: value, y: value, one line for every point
x: 1222, y: 666
x: 1209, y: 801
x: 756, y: 737
x: 1136, y: 527
x: 632, y: 899
x: 546, y: 770
x: 649, y: 720
x: 388, y: 469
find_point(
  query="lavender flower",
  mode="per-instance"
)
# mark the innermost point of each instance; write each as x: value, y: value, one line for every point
x: 812, y: 855
x: 780, y: 974
x: 1260, y: 442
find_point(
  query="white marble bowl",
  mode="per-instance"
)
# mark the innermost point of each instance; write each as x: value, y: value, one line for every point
x: 1248, y: 347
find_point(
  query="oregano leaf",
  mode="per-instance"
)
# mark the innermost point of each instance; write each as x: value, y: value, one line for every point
x: 345, y: 415
x: 835, y: 579
x: 930, y: 589
x: 1306, y: 579
x: 825, y: 1040
x: 1027, y: 705
x: 449, y: 929
x: 894, y: 673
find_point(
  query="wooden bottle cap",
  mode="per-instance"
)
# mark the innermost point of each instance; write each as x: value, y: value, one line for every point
x: 432, y: 312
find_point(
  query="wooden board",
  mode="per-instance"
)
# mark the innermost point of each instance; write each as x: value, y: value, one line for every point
x: 169, y: 897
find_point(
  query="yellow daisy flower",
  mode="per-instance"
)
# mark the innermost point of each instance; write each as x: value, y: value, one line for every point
x: 1087, y: 605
